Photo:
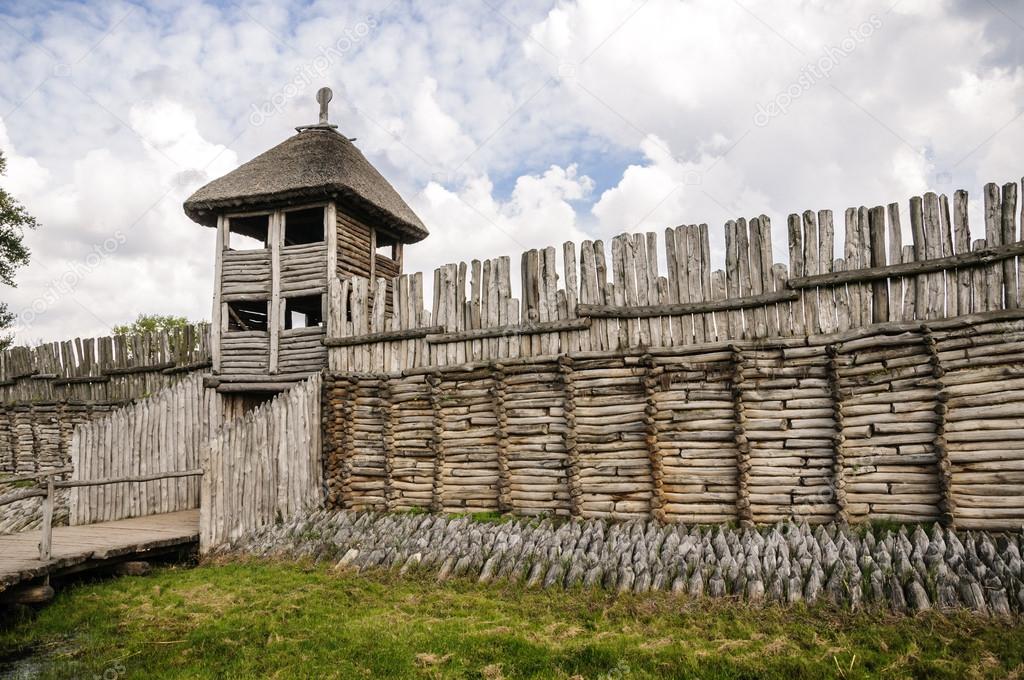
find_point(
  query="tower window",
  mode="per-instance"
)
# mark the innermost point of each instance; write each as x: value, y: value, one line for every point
x: 386, y: 245
x: 249, y: 232
x: 303, y: 312
x: 303, y: 226
x: 247, y: 315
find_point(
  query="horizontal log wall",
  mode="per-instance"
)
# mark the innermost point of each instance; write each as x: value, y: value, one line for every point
x: 301, y: 350
x: 906, y: 422
x: 303, y: 269
x: 354, y: 246
x: 262, y: 467
x: 163, y: 433
x: 245, y: 352
x: 589, y: 298
x: 245, y: 275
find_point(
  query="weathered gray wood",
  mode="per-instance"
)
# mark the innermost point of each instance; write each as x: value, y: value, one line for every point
x: 757, y: 279
x: 810, y: 297
x: 696, y: 263
x: 935, y: 299
x: 77, y: 547
x: 555, y: 326
x: 917, y: 230
x: 983, y: 256
x: 796, y: 268
x: 386, y: 336
x: 743, y: 269
x: 704, y: 275
x: 879, y: 288
x: 622, y: 312
x: 826, y: 257
x: 732, y: 278
x: 1020, y: 260
x: 767, y: 277
x: 217, y: 323
x: 962, y: 244
x: 1008, y: 224
x: 896, y: 283
x: 275, y: 313
x: 173, y: 474
x: 993, y: 238
x: 46, y: 541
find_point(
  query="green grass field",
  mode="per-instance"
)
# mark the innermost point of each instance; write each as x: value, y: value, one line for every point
x: 248, y: 619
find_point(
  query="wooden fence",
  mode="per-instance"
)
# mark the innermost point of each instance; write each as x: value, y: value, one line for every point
x: 909, y: 421
x: 161, y: 434
x: 93, y: 369
x: 46, y: 391
x: 264, y: 466
x: 627, y: 302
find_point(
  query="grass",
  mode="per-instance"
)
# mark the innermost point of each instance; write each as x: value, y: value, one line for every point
x: 282, y: 620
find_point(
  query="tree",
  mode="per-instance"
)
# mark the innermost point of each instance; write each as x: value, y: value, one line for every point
x: 150, y: 323
x: 14, y: 220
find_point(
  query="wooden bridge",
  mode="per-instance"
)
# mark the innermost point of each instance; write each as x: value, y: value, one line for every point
x: 163, y: 474
x: 80, y: 548
x: 32, y: 557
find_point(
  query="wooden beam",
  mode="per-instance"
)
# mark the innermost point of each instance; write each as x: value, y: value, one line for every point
x: 331, y: 232
x: 512, y: 330
x: 139, y: 369
x: 73, y: 483
x: 82, y: 380
x: 255, y: 387
x: 184, y: 368
x: 977, y: 258
x: 238, y: 319
x: 216, y: 322
x: 631, y: 312
x: 20, y: 496
x: 29, y: 476
x: 365, y: 339
x: 373, y: 254
x: 275, y: 316
x: 46, y: 542
x: 879, y: 289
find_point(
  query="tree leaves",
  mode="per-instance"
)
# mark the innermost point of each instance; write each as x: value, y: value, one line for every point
x: 14, y: 220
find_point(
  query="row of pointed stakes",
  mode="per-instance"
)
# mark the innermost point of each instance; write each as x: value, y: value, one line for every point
x: 632, y: 278
x: 906, y: 570
x: 95, y: 357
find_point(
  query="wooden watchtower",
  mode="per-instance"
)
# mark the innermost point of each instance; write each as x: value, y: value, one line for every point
x: 308, y: 209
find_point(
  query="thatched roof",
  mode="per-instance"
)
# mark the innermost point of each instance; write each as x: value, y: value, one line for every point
x: 314, y: 164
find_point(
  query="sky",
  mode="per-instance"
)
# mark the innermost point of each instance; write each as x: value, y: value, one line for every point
x: 505, y: 125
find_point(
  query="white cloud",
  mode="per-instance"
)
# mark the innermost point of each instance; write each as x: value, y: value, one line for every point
x: 24, y: 175
x: 666, y: 192
x: 114, y: 242
x: 642, y: 113
x: 470, y: 223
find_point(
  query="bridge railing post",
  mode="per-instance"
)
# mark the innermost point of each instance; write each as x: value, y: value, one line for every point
x: 46, y: 542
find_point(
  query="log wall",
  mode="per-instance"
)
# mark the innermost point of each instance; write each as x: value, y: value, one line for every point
x: 909, y: 422
x: 263, y: 466
x: 645, y: 383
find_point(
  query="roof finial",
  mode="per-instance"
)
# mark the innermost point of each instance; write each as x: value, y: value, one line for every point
x: 323, y: 97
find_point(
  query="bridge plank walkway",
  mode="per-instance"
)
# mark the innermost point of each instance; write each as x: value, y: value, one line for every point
x: 79, y: 547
